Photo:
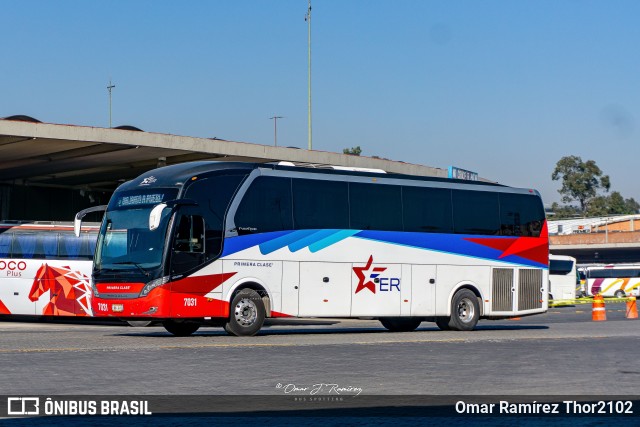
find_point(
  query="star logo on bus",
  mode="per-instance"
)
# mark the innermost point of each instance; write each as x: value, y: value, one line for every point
x: 366, y: 274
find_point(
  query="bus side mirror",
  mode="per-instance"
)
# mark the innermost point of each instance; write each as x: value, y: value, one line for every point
x: 155, y: 216
x: 77, y: 221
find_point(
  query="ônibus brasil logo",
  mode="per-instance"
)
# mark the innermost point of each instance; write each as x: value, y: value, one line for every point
x: 369, y: 276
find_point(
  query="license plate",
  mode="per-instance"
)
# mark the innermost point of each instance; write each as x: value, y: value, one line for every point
x: 117, y: 308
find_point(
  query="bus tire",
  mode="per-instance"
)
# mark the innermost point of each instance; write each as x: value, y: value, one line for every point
x: 401, y: 324
x: 181, y: 328
x: 443, y: 323
x: 620, y: 294
x: 246, y: 314
x: 465, y: 311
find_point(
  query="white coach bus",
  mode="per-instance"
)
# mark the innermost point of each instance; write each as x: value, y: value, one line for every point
x: 45, y: 269
x: 614, y: 280
x: 229, y: 244
x: 563, y: 277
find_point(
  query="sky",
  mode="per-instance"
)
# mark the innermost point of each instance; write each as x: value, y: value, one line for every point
x: 503, y: 88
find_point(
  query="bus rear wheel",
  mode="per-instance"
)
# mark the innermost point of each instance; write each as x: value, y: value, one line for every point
x: 465, y: 312
x: 246, y: 314
x: 401, y: 324
x: 181, y: 328
x: 620, y: 294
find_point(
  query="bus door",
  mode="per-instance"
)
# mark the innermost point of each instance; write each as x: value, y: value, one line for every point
x: 188, y: 252
x: 325, y: 289
x: 290, y: 287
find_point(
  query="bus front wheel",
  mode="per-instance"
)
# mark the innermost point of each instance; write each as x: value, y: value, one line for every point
x: 465, y: 312
x: 246, y: 314
x: 401, y: 324
x: 181, y: 328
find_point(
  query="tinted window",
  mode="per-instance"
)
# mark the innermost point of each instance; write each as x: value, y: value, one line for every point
x: 521, y: 215
x: 375, y: 207
x: 601, y: 274
x: 47, y: 247
x: 616, y: 273
x: 320, y: 204
x: 476, y: 212
x: 5, y: 244
x: 72, y: 247
x: 24, y: 245
x: 265, y: 207
x: 213, y: 196
x: 560, y: 266
x: 427, y: 210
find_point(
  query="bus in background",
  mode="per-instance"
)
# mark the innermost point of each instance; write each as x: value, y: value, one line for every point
x: 563, y: 277
x: 45, y: 269
x: 229, y: 244
x: 613, y: 280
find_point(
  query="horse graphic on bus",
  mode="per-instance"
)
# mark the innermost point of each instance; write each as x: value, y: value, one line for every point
x: 69, y: 291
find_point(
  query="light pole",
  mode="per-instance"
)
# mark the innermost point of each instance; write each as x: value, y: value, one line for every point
x: 109, y: 88
x: 275, y: 128
x: 308, y: 19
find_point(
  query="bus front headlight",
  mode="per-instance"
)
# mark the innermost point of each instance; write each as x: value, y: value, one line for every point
x: 153, y: 284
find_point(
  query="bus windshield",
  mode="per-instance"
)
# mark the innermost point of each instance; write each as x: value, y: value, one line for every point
x: 125, y: 241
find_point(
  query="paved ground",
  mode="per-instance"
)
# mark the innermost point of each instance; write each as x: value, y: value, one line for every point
x: 561, y: 352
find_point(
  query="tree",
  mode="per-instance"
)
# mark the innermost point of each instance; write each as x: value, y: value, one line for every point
x: 614, y: 204
x: 560, y: 212
x: 581, y: 181
x: 355, y: 151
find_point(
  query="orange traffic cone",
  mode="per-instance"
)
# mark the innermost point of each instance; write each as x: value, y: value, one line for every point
x: 632, y: 309
x: 598, y: 313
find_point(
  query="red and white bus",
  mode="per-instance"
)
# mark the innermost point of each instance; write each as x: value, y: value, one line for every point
x: 232, y: 243
x: 45, y: 269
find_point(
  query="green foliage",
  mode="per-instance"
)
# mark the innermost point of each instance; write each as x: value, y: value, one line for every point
x: 354, y: 151
x: 581, y: 181
x: 614, y: 204
x: 562, y: 212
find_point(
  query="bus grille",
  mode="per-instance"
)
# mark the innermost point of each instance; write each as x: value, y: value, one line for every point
x: 502, y: 285
x: 529, y: 285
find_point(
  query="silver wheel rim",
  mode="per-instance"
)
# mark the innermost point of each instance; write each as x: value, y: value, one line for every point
x: 466, y: 310
x: 246, y: 312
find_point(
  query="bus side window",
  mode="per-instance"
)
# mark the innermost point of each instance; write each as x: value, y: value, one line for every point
x: 24, y: 245
x: 5, y: 245
x: 47, y: 246
x: 190, y: 234
x: 189, y: 244
x: 265, y: 207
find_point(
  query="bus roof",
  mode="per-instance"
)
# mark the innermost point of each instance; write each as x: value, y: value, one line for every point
x: 177, y: 175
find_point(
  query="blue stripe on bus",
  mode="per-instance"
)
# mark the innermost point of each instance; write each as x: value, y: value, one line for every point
x: 449, y: 243
x: 317, y: 240
x: 313, y: 237
x: 282, y: 241
x: 240, y: 243
x: 337, y: 236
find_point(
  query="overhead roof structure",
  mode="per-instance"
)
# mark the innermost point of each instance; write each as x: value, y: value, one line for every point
x: 81, y: 157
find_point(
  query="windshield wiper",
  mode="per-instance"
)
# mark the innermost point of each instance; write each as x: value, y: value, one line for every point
x: 145, y: 272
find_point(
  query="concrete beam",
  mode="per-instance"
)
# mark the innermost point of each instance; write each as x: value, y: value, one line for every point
x: 215, y: 147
